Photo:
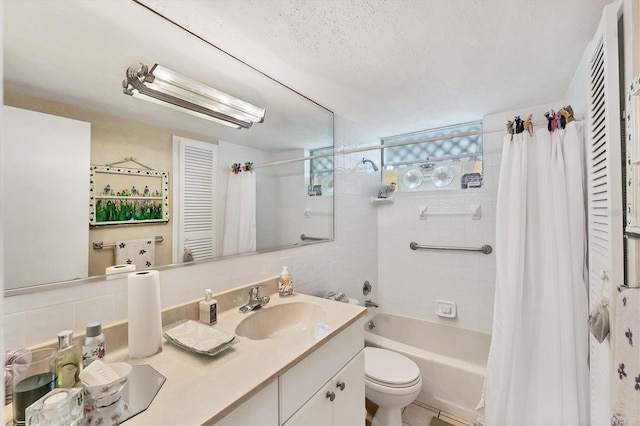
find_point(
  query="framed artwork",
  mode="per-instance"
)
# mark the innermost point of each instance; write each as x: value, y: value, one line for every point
x: 122, y: 196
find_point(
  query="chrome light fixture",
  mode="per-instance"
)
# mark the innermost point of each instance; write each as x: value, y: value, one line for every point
x: 171, y: 89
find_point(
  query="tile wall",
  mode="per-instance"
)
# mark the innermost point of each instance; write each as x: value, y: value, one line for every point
x: 412, y: 281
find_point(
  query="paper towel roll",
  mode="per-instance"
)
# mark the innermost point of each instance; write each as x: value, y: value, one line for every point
x: 145, y: 318
x: 119, y: 271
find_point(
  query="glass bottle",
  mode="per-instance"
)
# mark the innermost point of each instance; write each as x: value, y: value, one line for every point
x: 69, y: 361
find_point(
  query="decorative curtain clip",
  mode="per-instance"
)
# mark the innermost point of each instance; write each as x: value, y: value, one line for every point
x: 528, y: 124
x: 248, y: 167
x: 236, y: 168
x: 567, y: 113
x: 510, y: 128
x: 550, y: 116
x: 519, y: 124
x: 558, y: 118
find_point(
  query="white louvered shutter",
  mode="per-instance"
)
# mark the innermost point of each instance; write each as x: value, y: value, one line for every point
x: 195, y: 182
x: 604, y: 198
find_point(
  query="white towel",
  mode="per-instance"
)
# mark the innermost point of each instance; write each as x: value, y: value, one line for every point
x: 136, y: 252
x: 625, y: 389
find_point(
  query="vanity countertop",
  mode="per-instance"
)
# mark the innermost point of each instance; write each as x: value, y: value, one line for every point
x: 201, y: 390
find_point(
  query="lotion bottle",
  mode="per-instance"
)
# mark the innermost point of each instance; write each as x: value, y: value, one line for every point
x: 285, y: 283
x: 208, y: 309
x: 69, y: 362
x: 93, y: 346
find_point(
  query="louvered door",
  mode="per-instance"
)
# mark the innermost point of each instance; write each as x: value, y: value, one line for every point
x: 604, y: 197
x: 195, y: 184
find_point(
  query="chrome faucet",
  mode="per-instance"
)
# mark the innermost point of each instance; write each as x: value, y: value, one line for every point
x: 255, y: 301
x: 370, y: 304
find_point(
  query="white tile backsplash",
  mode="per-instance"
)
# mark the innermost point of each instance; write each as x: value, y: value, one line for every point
x: 98, y: 309
x: 45, y: 323
x: 17, y: 324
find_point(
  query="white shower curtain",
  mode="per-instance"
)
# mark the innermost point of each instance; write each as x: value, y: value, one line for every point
x: 537, y: 373
x: 240, y: 215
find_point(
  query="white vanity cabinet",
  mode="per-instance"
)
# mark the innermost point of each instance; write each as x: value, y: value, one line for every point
x: 339, y: 402
x: 326, y: 387
x: 261, y: 409
x: 304, y: 387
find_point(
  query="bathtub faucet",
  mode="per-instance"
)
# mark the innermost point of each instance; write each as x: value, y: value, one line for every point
x: 370, y: 304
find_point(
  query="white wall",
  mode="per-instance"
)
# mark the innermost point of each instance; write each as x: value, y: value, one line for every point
x: 340, y: 265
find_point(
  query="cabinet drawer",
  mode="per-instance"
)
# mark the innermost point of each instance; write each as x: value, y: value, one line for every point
x: 303, y: 380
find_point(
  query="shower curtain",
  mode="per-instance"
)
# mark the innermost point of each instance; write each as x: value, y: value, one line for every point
x: 537, y: 372
x: 240, y: 214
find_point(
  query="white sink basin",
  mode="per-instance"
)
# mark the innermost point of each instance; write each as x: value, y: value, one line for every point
x: 279, y: 321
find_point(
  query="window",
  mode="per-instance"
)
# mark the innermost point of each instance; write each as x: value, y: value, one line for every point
x: 321, y: 172
x: 435, y: 159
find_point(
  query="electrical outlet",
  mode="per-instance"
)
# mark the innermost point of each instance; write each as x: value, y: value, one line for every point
x: 446, y: 309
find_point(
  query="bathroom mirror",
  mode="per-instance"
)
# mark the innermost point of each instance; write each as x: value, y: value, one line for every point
x: 71, y: 62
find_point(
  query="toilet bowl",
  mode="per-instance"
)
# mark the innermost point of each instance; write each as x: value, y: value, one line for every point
x: 392, y: 381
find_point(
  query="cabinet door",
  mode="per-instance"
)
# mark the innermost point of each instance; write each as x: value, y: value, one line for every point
x: 348, y: 385
x: 347, y: 407
x: 45, y: 174
x: 317, y: 411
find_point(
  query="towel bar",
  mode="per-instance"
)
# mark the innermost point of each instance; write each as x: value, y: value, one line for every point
x: 486, y: 249
x: 99, y: 245
x: 304, y: 237
x: 623, y: 287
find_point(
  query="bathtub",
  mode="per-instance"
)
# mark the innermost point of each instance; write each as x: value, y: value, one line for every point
x: 452, y: 360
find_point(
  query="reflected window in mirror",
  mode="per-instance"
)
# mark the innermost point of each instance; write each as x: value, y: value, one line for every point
x: 321, y: 172
x: 443, y: 158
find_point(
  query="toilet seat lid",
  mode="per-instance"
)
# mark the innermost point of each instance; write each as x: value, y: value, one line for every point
x: 384, y: 366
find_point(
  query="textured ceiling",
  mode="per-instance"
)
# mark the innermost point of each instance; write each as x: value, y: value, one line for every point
x: 395, y: 66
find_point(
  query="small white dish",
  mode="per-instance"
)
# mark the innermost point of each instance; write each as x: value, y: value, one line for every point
x: 412, y: 178
x: 197, y: 337
x: 106, y: 394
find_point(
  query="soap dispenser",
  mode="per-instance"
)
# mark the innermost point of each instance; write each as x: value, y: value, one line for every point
x: 285, y: 283
x: 208, y: 309
x: 69, y: 361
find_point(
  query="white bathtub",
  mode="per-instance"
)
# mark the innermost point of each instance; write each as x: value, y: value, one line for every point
x: 452, y: 360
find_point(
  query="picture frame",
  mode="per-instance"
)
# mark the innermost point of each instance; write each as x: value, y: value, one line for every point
x: 125, y: 196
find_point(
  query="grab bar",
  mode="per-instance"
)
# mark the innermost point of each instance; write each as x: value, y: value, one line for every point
x: 304, y: 237
x: 99, y: 245
x: 486, y: 249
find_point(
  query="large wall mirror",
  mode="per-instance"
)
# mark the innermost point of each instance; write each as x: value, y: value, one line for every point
x: 65, y: 114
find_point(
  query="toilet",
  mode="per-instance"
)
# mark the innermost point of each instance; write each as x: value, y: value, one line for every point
x: 392, y: 381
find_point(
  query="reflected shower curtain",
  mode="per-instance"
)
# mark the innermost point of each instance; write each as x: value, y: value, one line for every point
x: 537, y: 373
x: 240, y: 215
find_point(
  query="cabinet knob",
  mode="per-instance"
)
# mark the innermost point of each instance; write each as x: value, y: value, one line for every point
x: 341, y: 385
x: 331, y: 395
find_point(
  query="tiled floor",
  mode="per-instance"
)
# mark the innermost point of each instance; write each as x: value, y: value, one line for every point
x: 418, y: 414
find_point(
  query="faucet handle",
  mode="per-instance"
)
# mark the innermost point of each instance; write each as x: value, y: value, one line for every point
x: 254, y: 291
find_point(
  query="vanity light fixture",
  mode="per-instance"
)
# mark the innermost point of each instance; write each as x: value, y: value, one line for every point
x: 166, y: 87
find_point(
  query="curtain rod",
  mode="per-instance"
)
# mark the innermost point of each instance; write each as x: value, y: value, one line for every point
x: 577, y: 117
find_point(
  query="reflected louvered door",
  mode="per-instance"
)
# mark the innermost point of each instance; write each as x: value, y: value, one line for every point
x: 605, y: 205
x: 196, y: 184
